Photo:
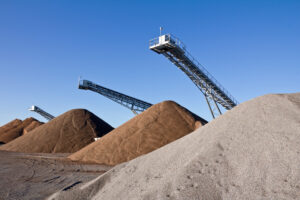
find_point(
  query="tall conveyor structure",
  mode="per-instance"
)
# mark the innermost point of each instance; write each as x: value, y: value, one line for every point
x: 135, y: 105
x: 172, y: 48
x: 41, y: 112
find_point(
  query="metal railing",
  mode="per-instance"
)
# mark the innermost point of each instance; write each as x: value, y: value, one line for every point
x: 175, y: 41
x: 41, y: 112
x: 170, y: 38
x: 134, y: 104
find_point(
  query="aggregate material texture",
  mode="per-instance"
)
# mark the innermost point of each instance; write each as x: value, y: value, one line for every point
x: 148, y: 131
x: 250, y: 152
x: 66, y: 133
x: 14, y: 123
x: 31, y: 126
x: 35, y: 176
x: 16, y: 128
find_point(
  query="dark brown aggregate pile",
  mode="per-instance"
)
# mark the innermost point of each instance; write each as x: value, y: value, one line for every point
x: 16, y: 128
x: 159, y: 125
x: 66, y: 133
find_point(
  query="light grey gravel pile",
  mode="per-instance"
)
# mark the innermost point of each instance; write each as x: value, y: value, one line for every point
x: 251, y: 152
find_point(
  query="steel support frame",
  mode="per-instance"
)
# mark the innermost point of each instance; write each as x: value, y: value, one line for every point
x: 135, y: 105
x: 215, y: 94
x: 42, y: 113
x: 207, y: 91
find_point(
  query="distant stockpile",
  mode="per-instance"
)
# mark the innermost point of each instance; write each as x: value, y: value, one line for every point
x: 10, y: 125
x: 148, y: 131
x: 250, y: 152
x: 31, y: 126
x: 16, y: 128
x: 66, y: 133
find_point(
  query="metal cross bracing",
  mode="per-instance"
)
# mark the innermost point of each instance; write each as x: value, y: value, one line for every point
x: 41, y: 112
x: 172, y: 48
x: 135, y: 105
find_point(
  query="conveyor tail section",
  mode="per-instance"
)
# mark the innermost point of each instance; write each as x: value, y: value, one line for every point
x: 135, y: 105
x: 173, y: 49
x: 41, y: 112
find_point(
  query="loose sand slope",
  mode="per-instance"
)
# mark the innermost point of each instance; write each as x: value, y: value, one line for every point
x: 16, y: 128
x: 36, y: 176
x: 31, y: 126
x: 157, y: 126
x: 10, y: 125
x: 251, y: 152
x: 66, y: 133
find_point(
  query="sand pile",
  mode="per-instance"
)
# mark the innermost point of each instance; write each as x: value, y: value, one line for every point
x: 10, y: 125
x: 251, y: 152
x: 156, y: 127
x: 16, y: 128
x: 66, y: 133
x: 32, y: 126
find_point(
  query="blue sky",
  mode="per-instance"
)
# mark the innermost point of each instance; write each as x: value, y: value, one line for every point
x: 251, y: 47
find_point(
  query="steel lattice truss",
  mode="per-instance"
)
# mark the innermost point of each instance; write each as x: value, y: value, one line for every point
x: 41, y: 112
x: 135, y: 105
x: 175, y: 51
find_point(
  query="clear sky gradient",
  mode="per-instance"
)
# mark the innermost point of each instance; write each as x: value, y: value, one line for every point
x: 251, y: 47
